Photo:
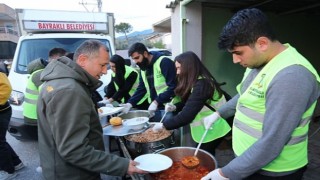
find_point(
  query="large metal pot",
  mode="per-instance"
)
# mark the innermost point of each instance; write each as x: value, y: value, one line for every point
x: 177, y: 153
x: 135, y: 113
x: 137, y: 148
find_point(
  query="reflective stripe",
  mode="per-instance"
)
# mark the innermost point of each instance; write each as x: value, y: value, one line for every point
x: 304, y: 121
x: 247, y: 129
x: 259, y: 117
x: 297, y: 139
x: 257, y: 134
x: 30, y: 101
x: 161, y: 86
x: 32, y: 92
x: 205, y: 108
x: 135, y: 85
x: 221, y: 102
x: 251, y: 113
x: 196, y: 123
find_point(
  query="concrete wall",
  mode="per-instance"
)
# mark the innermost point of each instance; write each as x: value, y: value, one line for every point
x: 193, y: 36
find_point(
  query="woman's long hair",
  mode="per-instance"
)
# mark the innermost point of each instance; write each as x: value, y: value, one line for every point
x: 120, y: 69
x: 192, y: 69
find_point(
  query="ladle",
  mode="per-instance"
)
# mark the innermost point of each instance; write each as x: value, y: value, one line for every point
x: 193, y: 161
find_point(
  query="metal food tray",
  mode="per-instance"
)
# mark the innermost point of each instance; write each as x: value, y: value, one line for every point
x: 122, y: 130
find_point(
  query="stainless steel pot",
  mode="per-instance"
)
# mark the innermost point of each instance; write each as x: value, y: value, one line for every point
x: 135, y: 113
x: 137, y: 149
x: 177, y: 153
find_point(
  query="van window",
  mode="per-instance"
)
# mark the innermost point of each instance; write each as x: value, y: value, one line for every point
x: 32, y: 49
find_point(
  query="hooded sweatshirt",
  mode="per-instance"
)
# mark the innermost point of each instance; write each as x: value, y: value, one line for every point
x: 69, y: 131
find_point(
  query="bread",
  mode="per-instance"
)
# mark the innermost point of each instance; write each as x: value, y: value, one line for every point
x: 116, y: 121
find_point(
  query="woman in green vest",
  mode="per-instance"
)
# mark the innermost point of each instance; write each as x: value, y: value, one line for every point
x: 199, y: 95
x: 124, y: 81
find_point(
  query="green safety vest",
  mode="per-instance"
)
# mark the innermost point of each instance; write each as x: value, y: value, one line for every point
x: 248, y: 121
x: 31, y: 97
x: 128, y: 72
x: 159, y: 80
x: 219, y: 129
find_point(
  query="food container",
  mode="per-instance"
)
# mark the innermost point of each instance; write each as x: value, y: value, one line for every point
x: 136, y: 123
x: 138, y: 144
x: 123, y: 130
x: 177, y: 153
x: 134, y: 114
x: 207, y: 162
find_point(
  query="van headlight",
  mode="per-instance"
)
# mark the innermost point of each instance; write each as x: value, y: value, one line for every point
x: 16, y: 98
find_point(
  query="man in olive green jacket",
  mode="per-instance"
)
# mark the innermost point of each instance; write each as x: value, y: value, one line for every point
x: 69, y: 131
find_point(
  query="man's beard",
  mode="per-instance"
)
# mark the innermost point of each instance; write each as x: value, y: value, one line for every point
x: 143, y: 64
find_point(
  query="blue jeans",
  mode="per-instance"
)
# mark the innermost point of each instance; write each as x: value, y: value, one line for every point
x: 8, y: 158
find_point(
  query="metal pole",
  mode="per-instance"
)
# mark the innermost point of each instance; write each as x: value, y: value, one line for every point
x: 99, y: 5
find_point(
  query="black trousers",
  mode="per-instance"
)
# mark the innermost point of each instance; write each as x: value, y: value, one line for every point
x: 294, y: 176
x: 8, y: 158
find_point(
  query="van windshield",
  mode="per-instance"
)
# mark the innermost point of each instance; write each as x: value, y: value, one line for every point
x: 32, y: 49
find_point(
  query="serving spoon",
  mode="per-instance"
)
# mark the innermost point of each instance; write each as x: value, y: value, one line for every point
x: 193, y: 161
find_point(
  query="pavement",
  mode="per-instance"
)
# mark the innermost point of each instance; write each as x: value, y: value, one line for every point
x: 224, y: 153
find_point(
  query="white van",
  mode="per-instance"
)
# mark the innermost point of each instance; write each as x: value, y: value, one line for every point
x: 38, y: 41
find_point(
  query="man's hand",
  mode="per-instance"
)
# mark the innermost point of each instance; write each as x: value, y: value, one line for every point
x: 214, y: 175
x: 126, y: 107
x: 157, y: 127
x: 133, y: 169
x: 209, y: 120
x: 169, y: 107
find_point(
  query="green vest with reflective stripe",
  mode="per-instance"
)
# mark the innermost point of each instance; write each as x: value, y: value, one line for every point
x: 219, y: 129
x: 158, y: 78
x: 134, y: 86
x: 248, y: 121
x: 31, y: 97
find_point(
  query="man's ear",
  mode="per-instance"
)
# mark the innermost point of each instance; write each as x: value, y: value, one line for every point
x: 82, y: 60
x: 263, y: 43
x: 145, y: 54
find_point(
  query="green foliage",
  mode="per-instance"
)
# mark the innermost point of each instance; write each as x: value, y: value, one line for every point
x: 121, y: 45
x: 123, y: 28
x: 158, y: 44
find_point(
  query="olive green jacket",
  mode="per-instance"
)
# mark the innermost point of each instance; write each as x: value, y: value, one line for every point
x: 69, y: 131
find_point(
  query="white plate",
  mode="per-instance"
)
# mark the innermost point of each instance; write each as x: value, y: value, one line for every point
x: 135, y: 121
x: 153, y: 162
x: 107, y: 111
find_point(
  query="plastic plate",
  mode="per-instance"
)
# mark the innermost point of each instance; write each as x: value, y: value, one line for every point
x: 153, y: 163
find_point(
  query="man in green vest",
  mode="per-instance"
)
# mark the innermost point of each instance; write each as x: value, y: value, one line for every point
x: 274, y: 104
x: 32, y: 90
x: 156, y: 81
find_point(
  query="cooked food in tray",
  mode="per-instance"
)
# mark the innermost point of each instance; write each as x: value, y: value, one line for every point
x: 149, y: 136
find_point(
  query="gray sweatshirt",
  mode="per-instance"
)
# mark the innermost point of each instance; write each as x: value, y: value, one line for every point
x: 290, y: 93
